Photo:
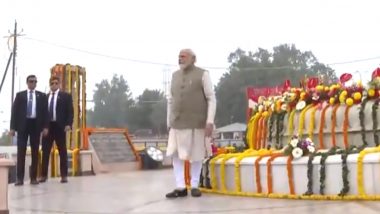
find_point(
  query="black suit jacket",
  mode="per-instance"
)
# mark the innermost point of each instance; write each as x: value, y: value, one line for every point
x: 19, y: 108
x: 64, y: 109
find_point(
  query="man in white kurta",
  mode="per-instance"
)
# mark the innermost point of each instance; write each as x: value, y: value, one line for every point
x: 191, y: 112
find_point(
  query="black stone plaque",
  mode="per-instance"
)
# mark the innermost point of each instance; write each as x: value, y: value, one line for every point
x: 112, y: 148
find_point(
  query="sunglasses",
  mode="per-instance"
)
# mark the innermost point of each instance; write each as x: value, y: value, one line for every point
x: 32, y: 81
x: 54, y: 83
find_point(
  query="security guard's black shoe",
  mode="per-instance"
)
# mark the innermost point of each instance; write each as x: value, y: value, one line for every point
x: 195, y: 192
x: 19, y: 183
x: 177, y: 193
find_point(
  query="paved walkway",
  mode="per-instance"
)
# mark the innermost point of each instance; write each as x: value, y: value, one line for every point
x: 143, y: 192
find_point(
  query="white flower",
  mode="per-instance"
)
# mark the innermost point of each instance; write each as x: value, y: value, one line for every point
x: 297, y: 153
x: 261, y: 108
x: 252, y: 104
x: 300, y: 105
x: 284, y: 107
x: 308, y: 140
x: 315, y: 97
x: 294, y: 142
x: 311, y: 149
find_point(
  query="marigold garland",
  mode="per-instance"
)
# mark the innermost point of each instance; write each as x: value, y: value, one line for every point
x: 262, y: 126
x: 375, y: 107
x: 312, y: 121
x: 291, y: 124
x: 255, y: 130
x: 265, y: 129
x: 272, y: 119
x: 322, y: 126
x: 264, y: 153
x: 362, y: 124
x: 333, y: 125
x: 345, y: 126
x: 289, y: 168
x: 223, y: 169
x: 269, y: 171
x: 237, y: 171
x: 259, y: 132
x: 345, y: 171
x: 322, y: 171
x: 212, y: 170
x: 257, y: 172
x: 297, y: 197
x: 360, y: 179
x: 240, y: 158
x: 250, y: 130
x: 302, y: 120
x: 279, y: 128
x: 310, y: 174
x: 247, y: 153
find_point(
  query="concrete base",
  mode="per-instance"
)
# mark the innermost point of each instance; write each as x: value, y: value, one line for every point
x: 144, y: 192
x: 280, y: 184
x: 4, y: 169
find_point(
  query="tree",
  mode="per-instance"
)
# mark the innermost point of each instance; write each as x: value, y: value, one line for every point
x: 5, y: 139
x: 112, y: 102
x: 263, y: 69
x: 159, y: 117
x: 150, y: 111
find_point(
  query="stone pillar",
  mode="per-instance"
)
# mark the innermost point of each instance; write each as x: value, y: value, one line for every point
x: 4, y: 169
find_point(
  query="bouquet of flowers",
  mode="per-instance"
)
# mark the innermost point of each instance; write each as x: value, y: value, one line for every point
x: 299, y: 147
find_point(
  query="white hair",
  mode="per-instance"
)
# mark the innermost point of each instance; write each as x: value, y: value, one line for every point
x: 189, y: 51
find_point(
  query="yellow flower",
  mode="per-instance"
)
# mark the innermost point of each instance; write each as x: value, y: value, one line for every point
x: 357, y: 96
x: 292, y: 97
x: 344, y: 93
x: 342, y: 98
x: 332, y: 100
x: 327, y: 88
x: 303, y: 95
x: 349, y: 101
x: 371, y: 92
x: 319, y: 88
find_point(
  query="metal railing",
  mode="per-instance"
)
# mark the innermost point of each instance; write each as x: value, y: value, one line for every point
x: 141, y: 144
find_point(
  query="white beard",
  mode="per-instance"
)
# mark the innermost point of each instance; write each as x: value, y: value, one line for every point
x: 183, y: 66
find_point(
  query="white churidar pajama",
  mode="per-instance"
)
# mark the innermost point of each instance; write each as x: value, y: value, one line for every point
x: 191, y: 144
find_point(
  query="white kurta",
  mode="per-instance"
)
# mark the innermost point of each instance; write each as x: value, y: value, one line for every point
x: 191, y: 144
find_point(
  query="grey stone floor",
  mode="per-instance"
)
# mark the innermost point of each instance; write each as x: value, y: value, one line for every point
x: 143, y: 192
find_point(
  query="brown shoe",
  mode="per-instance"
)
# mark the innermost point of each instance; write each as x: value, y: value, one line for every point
x: 195, y: 192
x: 64, y: 180
x: 177, y: 193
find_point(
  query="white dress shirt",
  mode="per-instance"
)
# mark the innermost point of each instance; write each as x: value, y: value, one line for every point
x: 34, y: 114
x: 54, y: 103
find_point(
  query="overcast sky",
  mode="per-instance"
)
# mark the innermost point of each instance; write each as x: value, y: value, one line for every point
x: 155, y: 30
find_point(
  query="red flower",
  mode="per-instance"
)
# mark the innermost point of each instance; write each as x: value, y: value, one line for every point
x: 345, y: 77
x: 376, y: 73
